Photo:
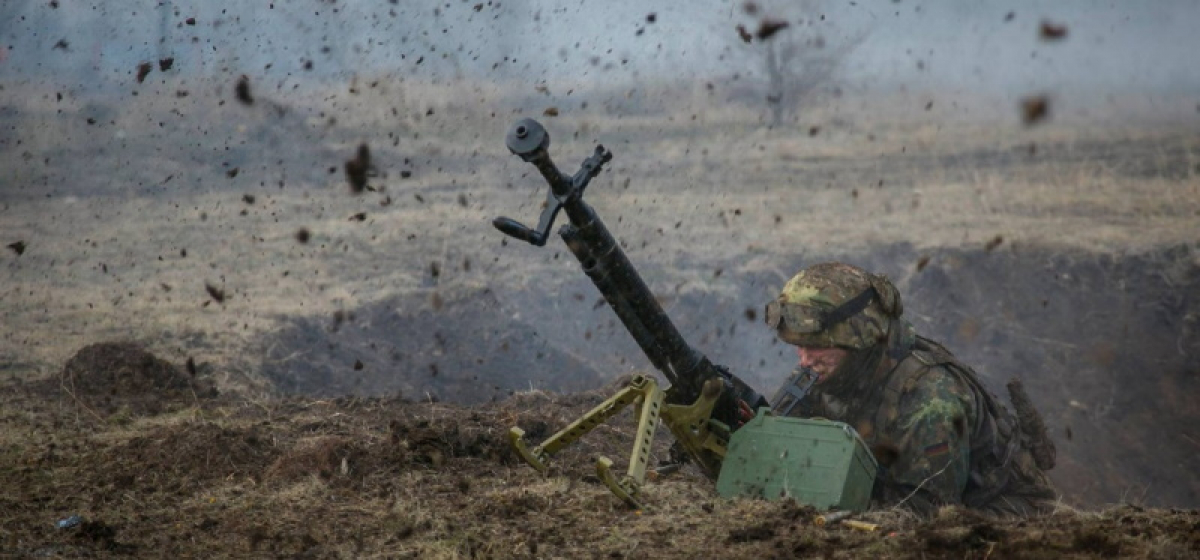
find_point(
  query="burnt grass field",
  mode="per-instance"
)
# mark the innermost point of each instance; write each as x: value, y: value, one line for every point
x: 232, y: 335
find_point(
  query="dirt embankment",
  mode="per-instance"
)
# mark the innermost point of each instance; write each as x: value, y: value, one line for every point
x: 205, y: 475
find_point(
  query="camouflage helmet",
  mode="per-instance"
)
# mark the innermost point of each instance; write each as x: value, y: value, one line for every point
x: 835, y: 304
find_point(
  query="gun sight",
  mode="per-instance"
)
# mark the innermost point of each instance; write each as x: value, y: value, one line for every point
x: 528, y: 139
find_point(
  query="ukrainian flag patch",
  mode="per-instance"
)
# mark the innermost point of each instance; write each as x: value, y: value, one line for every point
x: 937, y: 449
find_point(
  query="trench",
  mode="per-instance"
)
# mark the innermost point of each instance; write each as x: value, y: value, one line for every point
x: 1107, y: 345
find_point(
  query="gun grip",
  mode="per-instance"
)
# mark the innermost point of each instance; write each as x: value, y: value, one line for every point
x: 513, y: 228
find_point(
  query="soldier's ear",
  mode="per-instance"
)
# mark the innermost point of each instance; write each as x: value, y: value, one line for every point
x: 889, y: 296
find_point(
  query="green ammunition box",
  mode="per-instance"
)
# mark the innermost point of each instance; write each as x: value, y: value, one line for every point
x: 817, y: 462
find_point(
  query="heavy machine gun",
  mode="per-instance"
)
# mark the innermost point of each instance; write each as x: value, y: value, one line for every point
x: 703, y: 403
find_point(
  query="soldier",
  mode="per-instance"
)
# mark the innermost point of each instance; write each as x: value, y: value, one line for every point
x: 937, y: 433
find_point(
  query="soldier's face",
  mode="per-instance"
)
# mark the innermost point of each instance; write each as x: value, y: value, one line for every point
x: 824, y: 361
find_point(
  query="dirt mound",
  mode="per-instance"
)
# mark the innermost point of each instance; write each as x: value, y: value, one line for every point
x: 386, y: 477
x: 109, y: 376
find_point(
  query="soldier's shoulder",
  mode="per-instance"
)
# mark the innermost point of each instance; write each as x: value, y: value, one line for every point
x: 934, y: 379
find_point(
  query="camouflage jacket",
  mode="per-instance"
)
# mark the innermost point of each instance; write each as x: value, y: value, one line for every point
x: 939, y: 436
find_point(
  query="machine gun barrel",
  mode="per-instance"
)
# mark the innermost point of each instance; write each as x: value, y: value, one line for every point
x: 610, y: 270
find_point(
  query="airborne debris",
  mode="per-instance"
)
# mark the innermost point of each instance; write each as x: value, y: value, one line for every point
x: 359, y: 217
x: 232, y: 173
x: 357, y: 169
x: 769, y: 27
x: 18, y: 246
x: 995, y: 242
x: 303, y: 235
x: 165, y: 64
x: 358, y: 365
x: 745, y: 35
x: 216, y: 293
x: 551, y: 112
x: 143, y: 70
x: 1034, y: 109
x: 242, y: 90
x: 248, y: 198
x: 922, y: 262
x: 1052, y: 31
x: 340, y: 316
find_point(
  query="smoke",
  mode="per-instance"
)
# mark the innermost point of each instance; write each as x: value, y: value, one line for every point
x: 990, y: 48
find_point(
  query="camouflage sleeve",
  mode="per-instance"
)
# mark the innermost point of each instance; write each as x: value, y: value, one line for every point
x: 933, y: 431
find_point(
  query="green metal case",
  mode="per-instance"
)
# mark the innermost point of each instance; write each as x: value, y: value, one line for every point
x: 820, y: 463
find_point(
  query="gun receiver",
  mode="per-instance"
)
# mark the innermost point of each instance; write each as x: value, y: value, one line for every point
x: 699, y: 390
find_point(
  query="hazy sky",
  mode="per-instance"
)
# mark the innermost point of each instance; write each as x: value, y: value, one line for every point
x: 963, y: 46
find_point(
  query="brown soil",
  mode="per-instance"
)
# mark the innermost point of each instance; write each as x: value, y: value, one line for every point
x: 387, y: 477
x: 107, y: 377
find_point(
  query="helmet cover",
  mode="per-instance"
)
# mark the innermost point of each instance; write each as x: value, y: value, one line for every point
x: 835, y: 305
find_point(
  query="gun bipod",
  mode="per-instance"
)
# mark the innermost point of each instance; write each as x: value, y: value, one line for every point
x: 690, y: 424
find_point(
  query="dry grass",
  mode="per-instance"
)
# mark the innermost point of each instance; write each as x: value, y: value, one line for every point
x: 734, y: 187
x: 384, y: 478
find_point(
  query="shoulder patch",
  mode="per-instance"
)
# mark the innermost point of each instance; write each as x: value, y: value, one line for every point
x: 937, y: 449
